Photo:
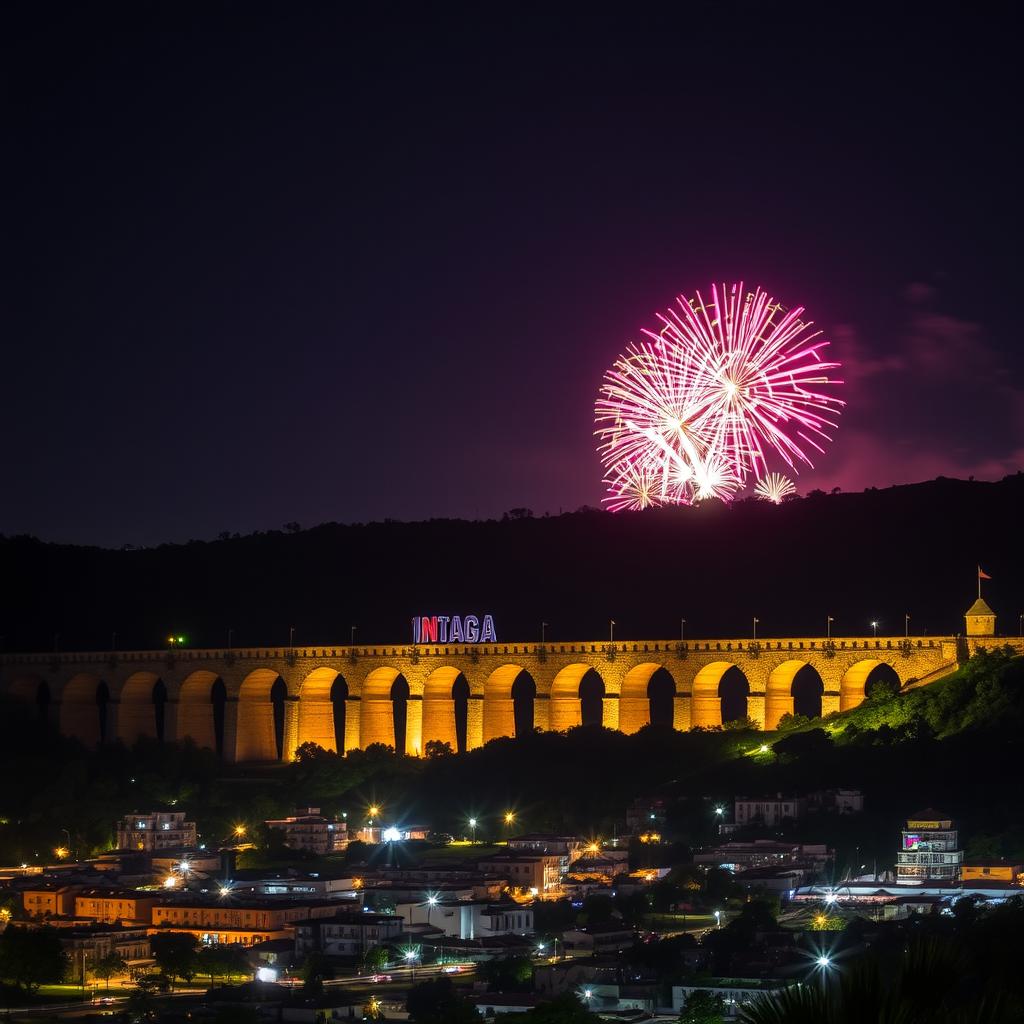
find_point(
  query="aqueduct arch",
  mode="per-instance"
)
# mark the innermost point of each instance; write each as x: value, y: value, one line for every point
x: 201, y: 700
x: 140, y: 708
x: 260, y: 725
x: 31, y: 689
x: 720, y: 693
x: 577, y: 697
x: 636, y: 701
x: 445, y: 700
x: 854, y: 684
x: 316, y: 708
x: 83, y: 708
x: 794, y: 687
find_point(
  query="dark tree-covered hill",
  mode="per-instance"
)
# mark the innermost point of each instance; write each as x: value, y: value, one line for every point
x: 857, y: 557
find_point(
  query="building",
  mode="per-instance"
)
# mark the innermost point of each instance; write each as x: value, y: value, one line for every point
x: 86, y: 944
x: 992, y: 871
x: 928, y: 849
x: 245, y: 921
x: 645, y: 814
x: 597, y: 939
x: 734, y: 993
x: 308, y: 829
x: 469, y: 919
x: 566, y: 848
x: 155, y: 830
x: 50, y: 899
x: 769, y: 810
x: 115, y: 906
x: 764, y: 853
x: 528, y: 873
x: 348, y: 934
x: 980, y: 620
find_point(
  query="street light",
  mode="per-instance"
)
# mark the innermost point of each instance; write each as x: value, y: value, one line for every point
x: 432, y: 900
x: 472, y: 825
x: 719, y: 810
x: 239, y: 830
x: 874, y: 629
x: 828, y: 627
x: 682, y: 630
x: 410, y: 956
x: 906, y: 625
x: 718, y: 919
x: 756, y: 620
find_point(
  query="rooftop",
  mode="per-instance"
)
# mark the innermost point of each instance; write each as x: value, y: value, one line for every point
x: 980, y: 608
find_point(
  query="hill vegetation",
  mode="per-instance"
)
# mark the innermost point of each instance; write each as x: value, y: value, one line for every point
x: 875, y: 555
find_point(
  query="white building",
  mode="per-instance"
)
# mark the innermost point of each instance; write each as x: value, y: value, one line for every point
x: 349, y: 934
x: 155, y: 830
x: 469, y: 919
x: 768, y: 810
x: 308, y: 829
x: 929, y: 849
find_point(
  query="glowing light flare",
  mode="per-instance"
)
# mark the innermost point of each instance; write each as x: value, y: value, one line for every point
x: 704, y: 402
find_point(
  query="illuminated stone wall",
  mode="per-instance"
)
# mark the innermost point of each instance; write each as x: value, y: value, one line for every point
x: 490, y: 671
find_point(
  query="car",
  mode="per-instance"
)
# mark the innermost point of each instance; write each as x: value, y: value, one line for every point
x: 380, y: 977
x: 451, y: 969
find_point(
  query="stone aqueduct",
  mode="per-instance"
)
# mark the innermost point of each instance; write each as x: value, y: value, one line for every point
x: 260, y: 704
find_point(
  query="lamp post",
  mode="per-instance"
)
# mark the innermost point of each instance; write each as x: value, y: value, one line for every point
x: 611, y: 631
x: 472, y: 825
x: 756, y: 620
x: 291, y: 638
x: 352, y: 636
x: 682, y: 631
x: 874, y: 629
x: 906, y: 625
x: 431, y: 903
x: 828, y: 627
x: 543, y: 631
x: 510, y: 817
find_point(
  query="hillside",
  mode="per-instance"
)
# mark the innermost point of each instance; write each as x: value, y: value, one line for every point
x: 873, y: 555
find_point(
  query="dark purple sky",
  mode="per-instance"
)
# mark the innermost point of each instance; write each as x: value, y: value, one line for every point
x: 322, y: 264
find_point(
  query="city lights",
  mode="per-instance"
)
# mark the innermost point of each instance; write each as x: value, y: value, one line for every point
x: 824, y: 961
x: 239, y: 830
x: 509, y: 817
x: 61, y: 853
x: 391, y: 835
x: 170, y: 882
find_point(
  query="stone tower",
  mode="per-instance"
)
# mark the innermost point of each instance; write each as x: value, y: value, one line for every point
x: 981, y: 620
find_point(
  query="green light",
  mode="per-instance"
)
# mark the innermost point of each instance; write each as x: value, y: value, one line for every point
x: 181, y: 639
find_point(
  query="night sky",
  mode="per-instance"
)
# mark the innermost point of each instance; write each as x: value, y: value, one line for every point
x: 321, y: 263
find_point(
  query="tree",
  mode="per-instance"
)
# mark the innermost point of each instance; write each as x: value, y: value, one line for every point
x: 107, y: 966
x: 814, y: 743
x: 563, y: 1009
x: 510, y: 974
x: 437, y: 1002
x: 437, y: 748
x: 316, y: 969
x: 221, y: 961
x: 702, y: 1007
x: 30, y: 958
x: 375, y: 958
x: 175, y: 954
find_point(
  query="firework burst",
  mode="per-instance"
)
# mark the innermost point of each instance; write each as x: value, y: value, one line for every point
x: 774, y: 487
x: 703, y: 403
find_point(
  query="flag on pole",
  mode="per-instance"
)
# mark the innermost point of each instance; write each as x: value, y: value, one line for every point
x: 982, y: 575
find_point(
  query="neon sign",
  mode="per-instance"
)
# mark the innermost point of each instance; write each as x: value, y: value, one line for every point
x: 453, y: 629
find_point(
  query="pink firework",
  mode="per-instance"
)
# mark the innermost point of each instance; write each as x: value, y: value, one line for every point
x: 721, y: 389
